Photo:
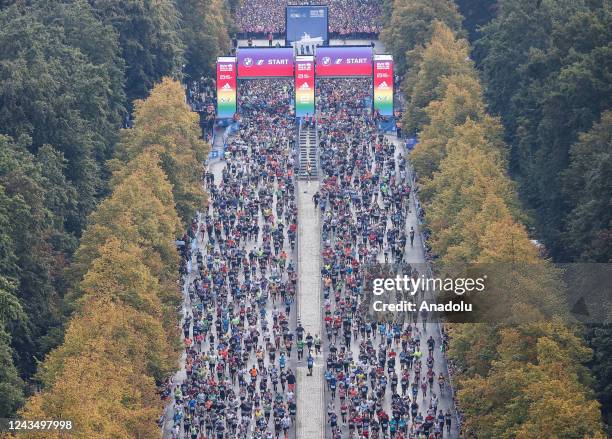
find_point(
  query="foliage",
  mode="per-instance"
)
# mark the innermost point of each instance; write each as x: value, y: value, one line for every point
x: 443, y: 55
x: 476, y: 13
x: 533, y: 390
x: 122, y: 340
x: 11, y: 385
x: 33, y: 243
x: 548, y: 76
x: 411, y: 25
x: 525, y: 376
x: 164, y: 119
x: 62, y: 84
x: 588, y: 186
x: 67, y: 70
x: 204, y: 30
x: 599, y: 338
x: 140, y: 211
x: 148, y: 32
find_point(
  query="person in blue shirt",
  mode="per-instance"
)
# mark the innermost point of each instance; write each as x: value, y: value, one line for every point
x: 310, y: 364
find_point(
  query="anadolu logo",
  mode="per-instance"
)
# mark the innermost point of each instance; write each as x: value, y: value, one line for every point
x: 326, y: 61
x: 248, y: 62
x: 339, y: 61
x: 260, y: 62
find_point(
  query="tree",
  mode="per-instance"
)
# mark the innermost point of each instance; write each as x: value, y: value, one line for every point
x: 533, y: 388
x: 523, y: 374
x: 120, y: 276
x: 164, y: 119
x: 599, y: 339
x: 411, y: 25
x: 461, y: 101
x: 149, y: 38
x: 476, y: 13
x: 444, y: 55
x: 120, y: 400
x: 61, y: 84
x: 11, y: 385
x: 140, y: 211
x: 548, y: 76
x: 28, y: 254
x: 588, y: 186
x: 204, y: 31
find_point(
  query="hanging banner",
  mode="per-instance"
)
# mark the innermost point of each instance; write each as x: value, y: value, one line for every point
x: 344, y: 61
x: 265, y: 62
x: 226, y: 87
x: 304, y: 86
x: 383, y: 84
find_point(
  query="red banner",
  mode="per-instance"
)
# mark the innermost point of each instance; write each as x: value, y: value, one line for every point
x: 344, y: 61
x: 265, y: 62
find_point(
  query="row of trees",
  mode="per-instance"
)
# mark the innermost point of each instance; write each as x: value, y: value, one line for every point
x: 122, y: 341
x: 547, y: 66
x: 548, y: 70
x: 525, y: 375
x: 69, y: 72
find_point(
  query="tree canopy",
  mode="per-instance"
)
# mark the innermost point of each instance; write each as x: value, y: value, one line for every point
x: 69, y: 72
x: 524, y: 375
x: 547, y: 70
x: 122, y: 339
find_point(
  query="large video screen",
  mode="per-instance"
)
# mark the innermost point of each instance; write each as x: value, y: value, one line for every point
x: 258, y: 62
x: 306, y: 25
x: 344, y: 61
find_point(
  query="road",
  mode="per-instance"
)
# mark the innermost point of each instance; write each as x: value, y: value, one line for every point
x: 200, y: 245
x: 413, y: 255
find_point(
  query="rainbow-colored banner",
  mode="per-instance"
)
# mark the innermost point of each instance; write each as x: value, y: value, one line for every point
x: 383, y: 84
x: 226, y: 87
x: 304, y: 86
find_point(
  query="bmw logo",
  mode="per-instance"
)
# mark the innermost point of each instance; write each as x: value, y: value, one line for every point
x: 248, y: 62
x: 326, y: 60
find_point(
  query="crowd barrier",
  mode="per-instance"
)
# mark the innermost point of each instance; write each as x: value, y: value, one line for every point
x: 220, y: 145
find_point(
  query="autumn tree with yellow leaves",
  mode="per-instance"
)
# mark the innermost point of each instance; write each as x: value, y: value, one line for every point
x: 523, y: 376
x: 165, y: 121
x: 122, y: 341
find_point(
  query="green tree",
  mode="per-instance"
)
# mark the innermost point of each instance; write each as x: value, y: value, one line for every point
x: 61, y: 84
x: 28, y: 253
x: 476, y: 13
x: 548, y: 75
x: 149, y: 38
x: 204, y: 31
x: 588, y: 186
x: 11, y: 385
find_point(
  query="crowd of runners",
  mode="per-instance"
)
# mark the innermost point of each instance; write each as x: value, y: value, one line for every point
x: 242, y: 339
x: 383, y: 377
x: 347, y: 18
x: 239, y: 329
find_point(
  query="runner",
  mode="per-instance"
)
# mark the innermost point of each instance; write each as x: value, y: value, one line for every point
x: 242, y: 283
